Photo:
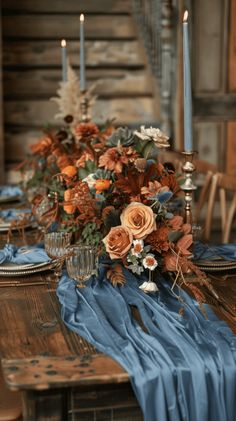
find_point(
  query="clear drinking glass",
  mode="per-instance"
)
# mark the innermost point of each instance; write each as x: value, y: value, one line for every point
x: 81, y: 263
x: 56, y: 244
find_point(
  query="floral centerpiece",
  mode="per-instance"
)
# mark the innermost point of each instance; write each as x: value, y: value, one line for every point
x: 110, y: 191
x: 106, y: 186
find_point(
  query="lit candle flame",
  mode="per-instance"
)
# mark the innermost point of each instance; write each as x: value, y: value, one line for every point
x: 81, y: 18
x: 185, y: 19
x: 63, y: 43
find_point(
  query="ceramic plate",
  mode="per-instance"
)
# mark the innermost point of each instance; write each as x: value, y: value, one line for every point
x: 6, y: 199
x: 5, y: 226
x: 12, y: 269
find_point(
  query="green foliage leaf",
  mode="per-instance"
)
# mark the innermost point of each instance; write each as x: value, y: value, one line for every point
x: 174, y: 236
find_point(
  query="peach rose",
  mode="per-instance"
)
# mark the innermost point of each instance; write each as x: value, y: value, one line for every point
x: 139, y: 218
x: 118, y: 242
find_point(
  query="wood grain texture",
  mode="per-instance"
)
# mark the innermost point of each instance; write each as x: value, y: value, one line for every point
x: 207, y: 50
x: 43, y: 373
x: 59, y: 26
x: 208, y: 137
x: 62, y: 6
x: 31, y: 324
x: 219, y: 107
x: 232, y: 48
x: 46, y: 53
x: 231, y: 148
x: 23, y: 113
x: 43, y: 84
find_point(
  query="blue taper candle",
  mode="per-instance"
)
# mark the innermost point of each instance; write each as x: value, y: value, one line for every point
x: 63, y: 60
x: 188, y: 132
x: 82, y: 59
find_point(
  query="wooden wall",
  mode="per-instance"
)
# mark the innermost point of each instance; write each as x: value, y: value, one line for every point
x: 214, y: 81
x: 2, y: 176
x: 32, y: 31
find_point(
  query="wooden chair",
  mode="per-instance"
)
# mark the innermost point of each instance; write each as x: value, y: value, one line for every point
x: 207, y: 171
x: 223, y: 186
x: 10, y: 403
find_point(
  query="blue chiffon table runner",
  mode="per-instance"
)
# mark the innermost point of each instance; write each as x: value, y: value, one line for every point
x: 182, y: 368
x: 10, y: 191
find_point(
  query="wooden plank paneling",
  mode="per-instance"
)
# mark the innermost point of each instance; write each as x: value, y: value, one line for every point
x: 232, y: 48
x: 231, y: 148
x: 59, y: 26
x: 219, y: 107
x: 1, y: 115
x: 98, y: 53
x: 208, y: 53
x: 17, y: 144
x: 125, y: 110
x: 62, y: 6
x: 207, y: 142
x: 42, y: 83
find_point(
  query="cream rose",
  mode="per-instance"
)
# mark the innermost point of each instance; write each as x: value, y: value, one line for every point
x: 118, y: 242
x: 139, y: 219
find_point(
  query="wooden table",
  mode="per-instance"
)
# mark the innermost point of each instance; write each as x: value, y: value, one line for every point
x: 60, y: 375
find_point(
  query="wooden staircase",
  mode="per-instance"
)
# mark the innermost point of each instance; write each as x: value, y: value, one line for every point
x: 32, y: 31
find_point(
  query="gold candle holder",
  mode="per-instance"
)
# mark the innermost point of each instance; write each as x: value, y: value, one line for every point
x: 188, y: 186
x: 84, y: 107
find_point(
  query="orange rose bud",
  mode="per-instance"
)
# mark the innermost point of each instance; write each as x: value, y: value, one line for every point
x: 70, y: 209
x: 70, y: 171
x: 101, y: 185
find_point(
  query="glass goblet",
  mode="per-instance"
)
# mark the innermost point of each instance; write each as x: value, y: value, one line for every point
x: 56, y: 244
x: 81, y: 263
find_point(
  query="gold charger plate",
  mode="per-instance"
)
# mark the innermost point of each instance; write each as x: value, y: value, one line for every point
x: 216, y: 265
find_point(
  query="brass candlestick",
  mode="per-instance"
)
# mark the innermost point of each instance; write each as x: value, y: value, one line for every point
x: 188, y: 187
x: 84, y: 106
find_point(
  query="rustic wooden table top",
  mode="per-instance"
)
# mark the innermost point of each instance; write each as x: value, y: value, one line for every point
x: 37, y: 349
x: 39, y: 352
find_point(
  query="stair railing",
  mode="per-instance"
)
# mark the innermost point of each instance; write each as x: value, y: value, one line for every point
x: 155, y: 22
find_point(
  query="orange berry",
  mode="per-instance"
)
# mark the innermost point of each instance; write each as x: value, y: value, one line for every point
x: 70, y: 171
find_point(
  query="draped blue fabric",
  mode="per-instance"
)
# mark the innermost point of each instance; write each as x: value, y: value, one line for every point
x: 182, y: 368
x: 222, y: 251
x: 11, y: 214
x: 10, y: 191
x: 23, y: 255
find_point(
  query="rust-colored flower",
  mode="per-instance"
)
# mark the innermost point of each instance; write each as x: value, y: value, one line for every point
x: 184, y: 243
x: 114, y: 158
x: 170, y: 181
x: 63, y: 161
x: 174, y: 262
x: 158, y: 239
x: 118, y: 242
x: 139, y: 219
x: 154, y: 187
x: 79, y: 199
x: 42, y: 147
x: 176, y: 223
x: 140, y: 164
x: 86, y: 156
x: 86, y: 131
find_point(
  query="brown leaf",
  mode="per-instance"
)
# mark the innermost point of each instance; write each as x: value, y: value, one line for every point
x: 115, y: 275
